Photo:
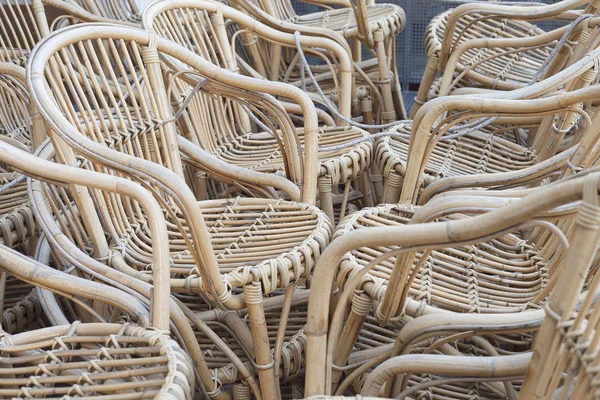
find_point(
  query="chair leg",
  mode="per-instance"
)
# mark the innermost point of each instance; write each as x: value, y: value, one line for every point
x: 325, y: 185
x: 393, y: 187
x: 377, y: 179
x: 365, y: 187
x: 388, y: 114
x: 361, y: 305
x: 201, y: 185
x: 260, y: 339
x: 431, y: 70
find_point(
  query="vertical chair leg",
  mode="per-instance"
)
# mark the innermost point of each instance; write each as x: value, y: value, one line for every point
x: 324, y: 184
x: 361, y: 305
x: 377, y: 179
x: 365, y: 187
x: 431, y: 70
x: 393, y: 187
x: 201, y: 185
x: 260, y: 339
x: 388, y: 114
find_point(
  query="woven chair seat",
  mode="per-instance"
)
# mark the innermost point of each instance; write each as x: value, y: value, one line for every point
x: 93, y: 360
x: 475, y: 153
x: 502, y: 275
x: 274, y: 239
x: 261, y: 152
x: 388, y: 17
x: 518, y: 67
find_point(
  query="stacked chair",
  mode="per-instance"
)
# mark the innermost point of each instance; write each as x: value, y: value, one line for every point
x: 212, y: 200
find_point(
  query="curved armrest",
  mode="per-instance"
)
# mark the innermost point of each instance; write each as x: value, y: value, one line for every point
x: 290, y: 27
x: 492, y: 368
x: 524, y: 176
x: 45, y: 170
x: 231, y: 173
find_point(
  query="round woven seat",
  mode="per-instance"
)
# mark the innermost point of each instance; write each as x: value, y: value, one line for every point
x: 94, y: 360
x: 502, y: 275
x: 260, y: 152
x: 275, y: 239
x: 388, y: 17
x: 477, y: 152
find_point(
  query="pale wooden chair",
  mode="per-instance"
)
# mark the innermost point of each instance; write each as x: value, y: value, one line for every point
x: 469, y: 139
x: 502, y: 64
x: 96, y: 359
x: 231, y: 252
x: 562, y: 363
x: 199, y: 26
x: 410, y: 239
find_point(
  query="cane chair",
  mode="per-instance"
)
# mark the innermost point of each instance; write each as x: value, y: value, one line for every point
x: 53, y: 361
x: 563, y: 361
x: 20, y: 124
x: 540, y: 260
x: 475, y: 292
x: 360, y: 23
x: 458, y: 145
x: 219, y: 248
x: 373, y: 339
x: 190, y: 23
x: 499, y: 66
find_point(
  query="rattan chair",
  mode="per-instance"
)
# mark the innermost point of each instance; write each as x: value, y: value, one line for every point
x: 480, y: 285
x: 360, y: 23
x: 503, y: 63
x: 91, y: 360
x: 218, y: 247
x: 187, y: 22
x: 516, y: 268
x: 563, y: 362
x: 471, y: 139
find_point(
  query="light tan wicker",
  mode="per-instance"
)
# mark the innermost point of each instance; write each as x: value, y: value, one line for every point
x: 502, y: 62
x: 483, y: 134
x: 362, y: 22
x: 486, y: 237
x: 218, y: 247
x: 119, y: 361
x: 199, y: 26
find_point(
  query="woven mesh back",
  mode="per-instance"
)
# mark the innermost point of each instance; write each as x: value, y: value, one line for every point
x: 15, y: 117
x: 19, y: 31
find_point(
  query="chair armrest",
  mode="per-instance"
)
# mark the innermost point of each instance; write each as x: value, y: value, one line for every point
x: 229, y: 173
x: 37, y: 167
x: 526, y: 176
